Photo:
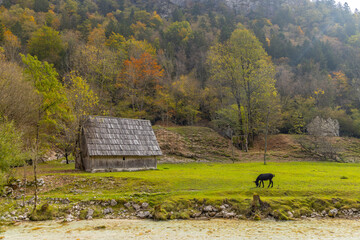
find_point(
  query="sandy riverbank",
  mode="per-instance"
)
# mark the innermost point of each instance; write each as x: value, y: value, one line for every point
x: 187, y: 229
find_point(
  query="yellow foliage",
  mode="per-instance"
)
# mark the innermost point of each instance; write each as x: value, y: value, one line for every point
x: 300, y: 31
x: 32, y: 19
x: 268, y: 22
x: 138, y: 28
x: 319, y: 92
x: 97, y: 36
x: 155, y: 20
x: 268, y: 42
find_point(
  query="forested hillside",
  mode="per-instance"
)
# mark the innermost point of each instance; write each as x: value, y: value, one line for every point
x: 227, y: 64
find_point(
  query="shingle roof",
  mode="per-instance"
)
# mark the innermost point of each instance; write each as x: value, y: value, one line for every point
x: 109, y: 136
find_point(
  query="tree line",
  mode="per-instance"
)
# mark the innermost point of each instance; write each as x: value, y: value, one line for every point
x: 200, y: 64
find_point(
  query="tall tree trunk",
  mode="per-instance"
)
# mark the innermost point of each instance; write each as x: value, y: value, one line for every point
x: 266, y: 133
x: 24, y: 182
x: 35, y: 164
x: 243, y: 134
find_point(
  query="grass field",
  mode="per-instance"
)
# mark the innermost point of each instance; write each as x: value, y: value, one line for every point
x: 207, y: 180
x: 299, y: 187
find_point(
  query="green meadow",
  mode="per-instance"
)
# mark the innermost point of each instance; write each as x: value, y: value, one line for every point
x: 209, y: 180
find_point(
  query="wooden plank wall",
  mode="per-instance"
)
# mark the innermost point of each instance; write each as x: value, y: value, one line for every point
x: 114, y: 164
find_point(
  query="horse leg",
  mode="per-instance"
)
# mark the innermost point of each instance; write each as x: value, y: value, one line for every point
x: 270, y: 182
x: 262, y: 182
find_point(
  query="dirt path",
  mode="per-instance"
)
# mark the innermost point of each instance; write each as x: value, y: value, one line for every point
x: 189, y: 229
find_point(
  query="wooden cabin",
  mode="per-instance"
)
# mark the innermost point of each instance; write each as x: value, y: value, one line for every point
x: 108, y: 144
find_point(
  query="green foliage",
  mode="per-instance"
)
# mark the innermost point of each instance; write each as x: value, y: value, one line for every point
x: 242, y: 66
x: 11, y: 147
x: 53, y: 102
x: 46, y: 44
x: 178, y: 33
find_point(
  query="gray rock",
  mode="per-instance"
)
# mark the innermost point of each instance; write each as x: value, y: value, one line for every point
x: 127, y: 205
x: 143, y: 214
x: 108, y: 210
x: 76, y: 207
x: 323, y: 127
x: 228, y: 214
x: 69, y: 218
x: 145, y: 205
x: 113, y: 202
x: 136, y: 207
x: 89, y: 214
x: 315, y: 214
x: 8, y: 190
x: 333, y: 212
x: 40, y: 182
x: 65, y: 201
x: 323, y: 213
x: 196, y: 215
x: 208, y: 208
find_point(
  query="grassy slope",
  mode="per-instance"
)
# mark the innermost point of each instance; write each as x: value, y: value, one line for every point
x: 204, y: 144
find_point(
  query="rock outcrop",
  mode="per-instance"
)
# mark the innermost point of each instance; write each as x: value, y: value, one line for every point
x: 324, y: 127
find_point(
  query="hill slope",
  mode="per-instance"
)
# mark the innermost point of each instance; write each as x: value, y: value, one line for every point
x: 186, y: 144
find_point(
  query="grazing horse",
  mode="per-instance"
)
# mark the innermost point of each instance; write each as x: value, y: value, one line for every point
x: 262, y: 177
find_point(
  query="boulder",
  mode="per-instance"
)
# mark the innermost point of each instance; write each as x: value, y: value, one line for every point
x: 136, y: 207
x: 89, y: 214
x: 69, y: 218
x: 113, y: 202
x: 143, y: 214
x: 323, y: 127
x: 333, y: 212
x: 108, y: 210
x: 208, y: 208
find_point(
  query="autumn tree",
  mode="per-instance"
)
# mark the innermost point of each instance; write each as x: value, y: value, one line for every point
x: 11, y: 45
x: 82, y: 102
x: 17, y: 95
x: 185, y: 100
x: 51, y: 107
x: 242, y: 66
x: 139, y: 81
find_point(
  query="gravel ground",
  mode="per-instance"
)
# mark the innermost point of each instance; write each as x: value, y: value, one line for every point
x: 185, y: 229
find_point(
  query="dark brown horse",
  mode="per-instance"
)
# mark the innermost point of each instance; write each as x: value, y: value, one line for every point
x: 263, y: 177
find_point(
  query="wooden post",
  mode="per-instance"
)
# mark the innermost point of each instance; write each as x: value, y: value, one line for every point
x: 266, y: 133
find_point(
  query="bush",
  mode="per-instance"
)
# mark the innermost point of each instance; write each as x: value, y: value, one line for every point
x: 11, y: 146
x: 44, y: 213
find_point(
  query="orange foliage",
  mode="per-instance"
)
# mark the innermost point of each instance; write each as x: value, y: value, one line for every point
x: 141, y: 71
x: 139, y: 80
